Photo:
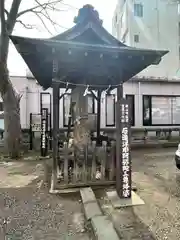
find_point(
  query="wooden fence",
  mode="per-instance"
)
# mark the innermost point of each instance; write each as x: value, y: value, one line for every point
x: 86, y: 167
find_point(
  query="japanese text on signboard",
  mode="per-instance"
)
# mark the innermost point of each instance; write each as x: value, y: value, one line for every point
x: 36, y: 123
x: 125, y: 153
x: 43, y: 133
x: 44, y: 124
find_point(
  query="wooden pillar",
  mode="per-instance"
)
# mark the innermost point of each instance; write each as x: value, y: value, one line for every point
x: 55, y: 133
x: 118, y: 139
x: 58, y: 96
x: 98, y: 130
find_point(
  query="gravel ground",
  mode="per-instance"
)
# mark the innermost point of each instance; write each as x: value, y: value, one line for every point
x: 158, y: 184
x: 29, y: 212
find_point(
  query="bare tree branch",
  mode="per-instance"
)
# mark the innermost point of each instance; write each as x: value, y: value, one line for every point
x: 6, y: 12
x: 3, y: 29
x: 71, y: 6
x: 11, y: 99
x: 41, y: 10
x: 44, y: 14
x: 13, y: 15
x: 19, y: 96
x: 27, y: 26
x: 51, y: 6
x: 2, y: 16
x: 39, y: 5
x: 7, y: 26
x: 42, y: 21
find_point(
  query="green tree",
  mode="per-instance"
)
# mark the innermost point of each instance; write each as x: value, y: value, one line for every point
x: 8, y: 19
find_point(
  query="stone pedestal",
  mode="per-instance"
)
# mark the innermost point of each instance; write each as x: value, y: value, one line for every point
x: 117, y: 202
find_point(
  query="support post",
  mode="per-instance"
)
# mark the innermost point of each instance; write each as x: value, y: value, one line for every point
x: 123, y: 196
x: 98, y: 130
x: 118, y: 139
x: 50, y: 132
x: 58, y: 100
x: 55, y: 134
x: 50, y: 124
x: 30, y: 134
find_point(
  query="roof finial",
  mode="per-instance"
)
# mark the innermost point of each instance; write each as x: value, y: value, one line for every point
x: 86, y: 12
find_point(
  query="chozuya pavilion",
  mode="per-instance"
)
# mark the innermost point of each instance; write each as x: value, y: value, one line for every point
x: 84, y: 56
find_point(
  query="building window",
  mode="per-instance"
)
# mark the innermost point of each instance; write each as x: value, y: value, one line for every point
x: 161, y: 110
x: 110, y: 110
x: 136, y: 38
x: 91, y: 104
x: 45, y: 101
x: 130, y: 98
x: 138, y: 10
x: 146, y: 110
x: 175, y: 108
x: 1, y: 107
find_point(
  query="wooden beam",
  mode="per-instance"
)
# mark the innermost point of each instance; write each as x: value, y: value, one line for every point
x: 98, y: 142
x: 85, y: 184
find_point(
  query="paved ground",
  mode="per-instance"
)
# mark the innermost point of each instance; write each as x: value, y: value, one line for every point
x: 158, y: 184
x: 30, y: 213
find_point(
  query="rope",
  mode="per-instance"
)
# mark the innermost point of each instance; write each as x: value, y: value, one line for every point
x: 89, y: 86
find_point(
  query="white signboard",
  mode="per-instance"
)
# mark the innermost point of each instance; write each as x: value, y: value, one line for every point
x: 36, y: 123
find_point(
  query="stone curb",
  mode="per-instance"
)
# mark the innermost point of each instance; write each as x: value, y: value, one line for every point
x: 102, y: 227
x: 137, y: 146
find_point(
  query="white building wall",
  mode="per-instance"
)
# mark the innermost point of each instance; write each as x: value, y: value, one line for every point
x: 20, y: 84
x: 30, y: 98
x: 30, y: 101
x: 157, y: 29
x: 138, y: 89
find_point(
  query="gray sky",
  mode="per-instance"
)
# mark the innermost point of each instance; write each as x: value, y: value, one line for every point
x: 64, y: 18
